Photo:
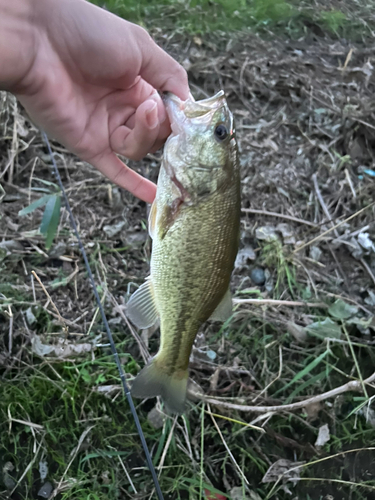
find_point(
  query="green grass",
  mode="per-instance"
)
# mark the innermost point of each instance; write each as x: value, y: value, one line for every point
x: 199, y: 17
x: 61, y: 398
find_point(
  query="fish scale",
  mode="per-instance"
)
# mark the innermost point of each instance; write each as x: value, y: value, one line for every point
x: 198, y: 273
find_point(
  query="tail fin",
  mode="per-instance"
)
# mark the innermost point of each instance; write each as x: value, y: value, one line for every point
x: 153, y: 381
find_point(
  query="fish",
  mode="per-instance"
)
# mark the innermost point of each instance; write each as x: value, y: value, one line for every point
x: 194, y: 224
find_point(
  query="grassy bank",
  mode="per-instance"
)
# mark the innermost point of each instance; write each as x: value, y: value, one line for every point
x: 354, y: 20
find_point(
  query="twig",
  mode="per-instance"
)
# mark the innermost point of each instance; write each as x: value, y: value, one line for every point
x: 144, y: 352
x: 274, y: 302
x: 319, y: 460
x: 347, y: 175
x: 11, y: 317
x: 323, y: 205
x: 166, y: 447
x: 281, y: 216
x: 29, y: 424
x: 127, y: 474
x: 364, y: 390
x: 347, y: 60
x: 242, y: 475
x: 368, y: 269
x: 353, y: 385
x: 201, y: 475
x: 97, y: 312
x: 27, y: 469
x: 332, y: 228
x: 277, y: 376
x: 73, y: 455
x: 339, y: 113
x: 62, y: 320
x: 245, y: 424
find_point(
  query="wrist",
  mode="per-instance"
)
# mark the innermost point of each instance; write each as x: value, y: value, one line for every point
x: 18, y: 41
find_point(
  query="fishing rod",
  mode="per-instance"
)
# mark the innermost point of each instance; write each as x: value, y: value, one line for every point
x: 106, y: 325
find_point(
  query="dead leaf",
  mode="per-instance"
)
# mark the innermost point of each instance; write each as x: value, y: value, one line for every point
x: 156, y: 418
x: 12, y: 245
x: 365, y: 242
x: 297, y: 331
x: 315, y: 253
x: 214, y: 379
x: 341, y: 310
x: 369, y: 415
x: 287, y: 233
x: 45, y: 490
x: 312, y: 410
x: 286, y: 469
x: 244, y: 255
x: 62, y: 349
x: 325, y: 329
x: 323, y: 436
x: 112, y: 230
x: 266, y: 233
x: 237, y: 493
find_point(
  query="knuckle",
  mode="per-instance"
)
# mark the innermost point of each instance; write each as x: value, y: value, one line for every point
x: 143, y: 35
x: 181, y: 73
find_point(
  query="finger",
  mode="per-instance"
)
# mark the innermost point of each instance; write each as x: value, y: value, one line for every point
x: 160, y: 69
x: 158, y: 145
x: 116, y: 171
x: 143, y: 93
x: 135, y: 143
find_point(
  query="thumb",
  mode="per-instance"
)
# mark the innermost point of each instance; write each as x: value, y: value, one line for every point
x: 160, y: 70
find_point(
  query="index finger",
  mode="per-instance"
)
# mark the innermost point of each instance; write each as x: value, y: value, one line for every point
x: 116, y: 171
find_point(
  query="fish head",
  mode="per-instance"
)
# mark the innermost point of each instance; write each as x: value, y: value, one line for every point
x: 201, y: 151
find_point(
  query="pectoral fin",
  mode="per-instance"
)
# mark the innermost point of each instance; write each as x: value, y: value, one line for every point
x: 141, y: 308
x: 224, y: 309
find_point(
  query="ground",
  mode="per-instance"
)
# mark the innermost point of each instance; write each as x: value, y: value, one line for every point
x: 304, y: 112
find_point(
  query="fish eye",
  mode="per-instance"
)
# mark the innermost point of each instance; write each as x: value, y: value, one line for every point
x: 221, y: 132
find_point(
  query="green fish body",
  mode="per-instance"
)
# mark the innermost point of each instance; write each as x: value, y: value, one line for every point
x: 194, y: 224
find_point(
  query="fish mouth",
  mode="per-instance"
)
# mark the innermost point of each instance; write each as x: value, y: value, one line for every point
x: 178, y: 111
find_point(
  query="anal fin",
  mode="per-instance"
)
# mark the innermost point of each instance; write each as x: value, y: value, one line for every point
x: 141, y: 308
x: 224, y: 309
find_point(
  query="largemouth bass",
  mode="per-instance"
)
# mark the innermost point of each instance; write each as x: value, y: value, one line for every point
x: 194, y: 225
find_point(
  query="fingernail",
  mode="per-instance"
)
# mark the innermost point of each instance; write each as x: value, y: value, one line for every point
x: 162, y: 114
x: 152, y: 116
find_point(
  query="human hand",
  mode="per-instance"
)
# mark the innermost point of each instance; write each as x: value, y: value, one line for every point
x: 91, y: 82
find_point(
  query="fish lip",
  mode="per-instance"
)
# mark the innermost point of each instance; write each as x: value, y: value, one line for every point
x: 212, y: 102
x: 174, y: 108
x: 178, y: 110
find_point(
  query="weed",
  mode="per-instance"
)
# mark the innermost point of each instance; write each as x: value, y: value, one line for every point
x: 334, y: 20
x: 275, y: 256
x: 51, y: 215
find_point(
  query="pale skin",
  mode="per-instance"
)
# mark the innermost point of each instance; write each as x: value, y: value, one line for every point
x: 91, y: 81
